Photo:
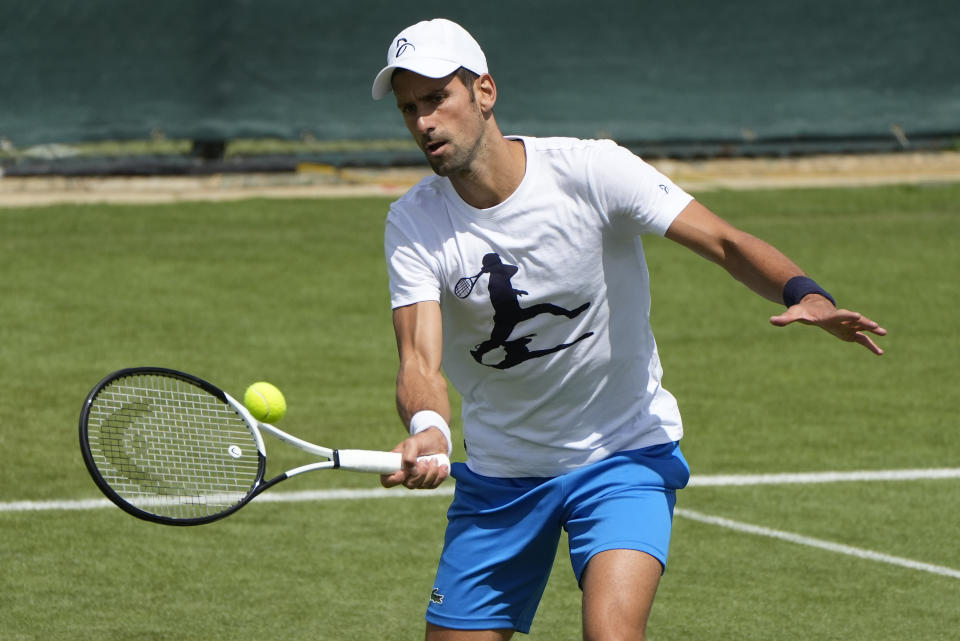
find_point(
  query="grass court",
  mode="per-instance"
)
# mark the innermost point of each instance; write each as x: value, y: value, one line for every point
x: 295, y: 292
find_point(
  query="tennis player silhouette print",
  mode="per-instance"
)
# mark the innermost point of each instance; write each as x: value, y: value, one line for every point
x: 507, y: 314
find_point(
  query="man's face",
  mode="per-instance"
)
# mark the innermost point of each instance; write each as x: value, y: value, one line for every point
x: 444, y: 118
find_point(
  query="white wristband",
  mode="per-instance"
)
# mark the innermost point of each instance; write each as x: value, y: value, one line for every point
x: 425, y: 419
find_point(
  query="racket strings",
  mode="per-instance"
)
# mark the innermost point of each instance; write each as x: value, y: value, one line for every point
x: 465, y: 285
x: 171, y: 448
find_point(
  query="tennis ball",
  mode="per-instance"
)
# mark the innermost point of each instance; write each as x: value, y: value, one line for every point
x: 265, y: 402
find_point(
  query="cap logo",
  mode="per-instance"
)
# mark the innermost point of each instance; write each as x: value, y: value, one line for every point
x: 402, y: 46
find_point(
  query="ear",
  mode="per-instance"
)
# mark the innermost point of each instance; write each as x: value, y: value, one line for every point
x: 485, y: 90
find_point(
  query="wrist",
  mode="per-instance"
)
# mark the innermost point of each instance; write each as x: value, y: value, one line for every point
x: 425, y: 419
x: 800, y: 286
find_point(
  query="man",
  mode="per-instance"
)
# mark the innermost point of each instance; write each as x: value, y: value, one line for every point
x: 566, y: 425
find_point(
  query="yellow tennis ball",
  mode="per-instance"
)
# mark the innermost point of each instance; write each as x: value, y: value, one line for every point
x: 265, y: 402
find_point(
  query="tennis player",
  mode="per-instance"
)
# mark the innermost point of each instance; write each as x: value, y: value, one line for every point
x: 565, y: 422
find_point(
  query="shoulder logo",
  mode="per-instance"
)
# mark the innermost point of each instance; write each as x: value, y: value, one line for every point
x: 403, y: 45
x: 436, y: 597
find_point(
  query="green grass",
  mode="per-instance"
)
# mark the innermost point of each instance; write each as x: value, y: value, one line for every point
x: 295, y: 292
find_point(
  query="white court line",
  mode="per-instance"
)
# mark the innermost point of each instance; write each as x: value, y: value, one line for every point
x: 860, y: 553
x: 720, y: 480
x: 695, y: 481
x: 275, y: 497
x: 723, y: 480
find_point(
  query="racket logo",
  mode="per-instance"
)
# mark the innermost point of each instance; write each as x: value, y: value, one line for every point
x: 465, y: 285
x: 235, y: 451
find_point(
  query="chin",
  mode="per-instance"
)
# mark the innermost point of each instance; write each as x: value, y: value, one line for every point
x: 439, y: 167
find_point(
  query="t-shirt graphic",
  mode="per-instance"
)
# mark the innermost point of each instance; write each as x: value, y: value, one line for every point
x: 507, y: 314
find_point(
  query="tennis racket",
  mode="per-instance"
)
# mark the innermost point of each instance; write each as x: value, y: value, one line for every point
x: 171, y: 448
x: 465, y: 285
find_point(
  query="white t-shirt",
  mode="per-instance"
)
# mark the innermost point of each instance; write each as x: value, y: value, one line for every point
x: 551, y: 350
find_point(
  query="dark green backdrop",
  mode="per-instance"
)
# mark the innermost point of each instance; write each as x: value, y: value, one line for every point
x: 685, y: 71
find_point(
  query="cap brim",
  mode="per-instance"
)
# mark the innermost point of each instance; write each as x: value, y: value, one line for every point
x: 429, y: 67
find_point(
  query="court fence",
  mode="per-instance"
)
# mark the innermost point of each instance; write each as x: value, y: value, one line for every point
x: 108, y: 86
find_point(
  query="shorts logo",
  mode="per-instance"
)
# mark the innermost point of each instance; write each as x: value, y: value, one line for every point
x: 436, y: 597
x: 402, y: 46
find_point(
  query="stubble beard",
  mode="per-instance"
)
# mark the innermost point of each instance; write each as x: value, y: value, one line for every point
x: 459, y: 161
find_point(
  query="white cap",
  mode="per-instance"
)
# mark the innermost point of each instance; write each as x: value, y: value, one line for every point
x: 432, y: 48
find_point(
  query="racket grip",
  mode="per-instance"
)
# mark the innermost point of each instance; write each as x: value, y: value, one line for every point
x: 378, y: 462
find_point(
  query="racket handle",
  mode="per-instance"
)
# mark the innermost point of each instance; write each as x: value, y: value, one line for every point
x: 378, y: 462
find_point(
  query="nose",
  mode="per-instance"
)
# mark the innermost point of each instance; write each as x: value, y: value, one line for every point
x: 425, y: 122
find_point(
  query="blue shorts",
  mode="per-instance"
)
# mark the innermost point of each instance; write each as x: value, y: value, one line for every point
x: 502, y: 533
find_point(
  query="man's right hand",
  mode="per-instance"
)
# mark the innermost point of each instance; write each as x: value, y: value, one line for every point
x: 419, y: 475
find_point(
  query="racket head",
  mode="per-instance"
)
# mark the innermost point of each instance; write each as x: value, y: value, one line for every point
x: 464, y: 286
x: 168, y: 447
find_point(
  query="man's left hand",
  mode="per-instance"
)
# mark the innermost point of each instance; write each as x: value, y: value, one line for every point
x: 842, y: 323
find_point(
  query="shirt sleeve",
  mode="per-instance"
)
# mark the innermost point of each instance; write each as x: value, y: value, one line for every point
x: 627, y: 186
x: 410, y: 268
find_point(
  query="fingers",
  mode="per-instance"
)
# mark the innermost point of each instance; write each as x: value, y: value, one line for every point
x: 392, y: 480
x: 867, y: 342
x: 422, y: 475
x: 870, y: 326
x: 844, y: 324
x: 822, y: 316
x: 416, y: 474
x: 784, y: 319
x: 854, y: 329
x: 426, y: 475
x: 851, y: 327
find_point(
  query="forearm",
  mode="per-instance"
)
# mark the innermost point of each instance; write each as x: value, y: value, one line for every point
x: 758, y: 265
x: 754, y: 262
x: 424, y: 407
x: 420, y: 389
x: 422, y: 400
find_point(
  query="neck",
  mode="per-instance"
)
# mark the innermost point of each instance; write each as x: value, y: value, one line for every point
x: 494, y: 175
